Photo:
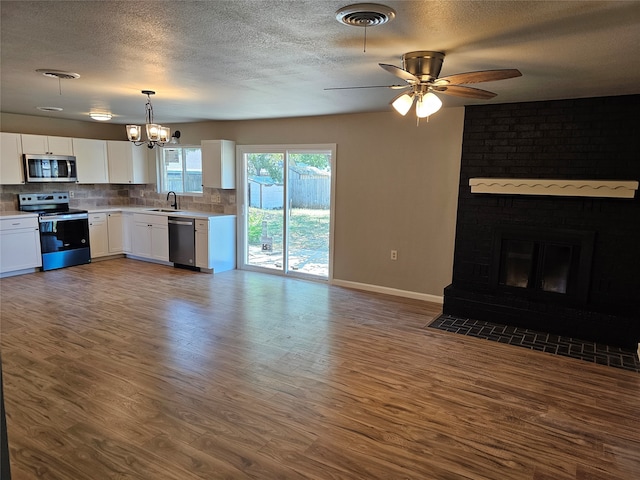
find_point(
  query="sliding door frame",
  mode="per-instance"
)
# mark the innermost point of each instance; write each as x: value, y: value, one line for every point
x: 243, y: 206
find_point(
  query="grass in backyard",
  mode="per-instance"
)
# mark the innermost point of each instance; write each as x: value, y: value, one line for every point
x: 308, y: 229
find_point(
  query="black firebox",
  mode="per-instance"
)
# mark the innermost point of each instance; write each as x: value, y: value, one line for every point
x: 551, y: 264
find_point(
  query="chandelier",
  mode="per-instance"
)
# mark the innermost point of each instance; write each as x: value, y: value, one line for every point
x: 156, y: 134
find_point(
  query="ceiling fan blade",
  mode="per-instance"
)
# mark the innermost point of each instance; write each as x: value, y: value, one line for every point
x: 393, y: 87
x: 480, y: 76
x: 461, y: 91
x: 400, y: 73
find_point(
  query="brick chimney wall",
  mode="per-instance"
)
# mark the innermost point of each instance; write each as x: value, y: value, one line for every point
x: 594, y: 138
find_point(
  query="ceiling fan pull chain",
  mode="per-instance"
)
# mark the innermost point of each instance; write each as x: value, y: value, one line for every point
x: 364, y: 50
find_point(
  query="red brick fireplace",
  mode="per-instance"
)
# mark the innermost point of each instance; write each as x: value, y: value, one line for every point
x: 565, y: 263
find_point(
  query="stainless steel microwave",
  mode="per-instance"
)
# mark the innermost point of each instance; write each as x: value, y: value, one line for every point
x: 50, y: 168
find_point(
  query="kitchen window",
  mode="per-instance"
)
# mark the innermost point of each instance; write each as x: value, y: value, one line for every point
x: 181, y: 169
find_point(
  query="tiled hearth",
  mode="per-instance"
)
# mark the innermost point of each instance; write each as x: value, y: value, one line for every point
x: 540, y: 341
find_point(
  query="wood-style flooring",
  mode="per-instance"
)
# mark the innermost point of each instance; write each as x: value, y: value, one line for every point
x: 129, y: 370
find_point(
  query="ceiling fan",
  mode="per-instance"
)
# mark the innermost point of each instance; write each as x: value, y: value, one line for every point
x: 420, y: 70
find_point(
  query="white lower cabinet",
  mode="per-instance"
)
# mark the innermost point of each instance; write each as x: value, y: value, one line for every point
x: 116, y: 233
x: 19, y: 245
x: 127, y: 232
x: 98, y: 235
x: 150, y: 237
x: 106, y: 234
x: 202, y: 244
x: 216, y: 243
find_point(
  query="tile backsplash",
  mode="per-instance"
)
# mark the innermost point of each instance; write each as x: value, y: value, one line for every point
x: 109, y: 195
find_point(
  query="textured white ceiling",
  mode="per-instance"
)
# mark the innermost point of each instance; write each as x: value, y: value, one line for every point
x: 249, y: 59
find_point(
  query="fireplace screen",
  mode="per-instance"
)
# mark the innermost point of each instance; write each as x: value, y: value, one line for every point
x: 529, y: 264
x: 541, y: 264
x: 556, y: 265
x: 516, y: 263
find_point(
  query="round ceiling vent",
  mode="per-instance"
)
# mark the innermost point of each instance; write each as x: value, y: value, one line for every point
x: 57, y: 74
x: 365, y: 14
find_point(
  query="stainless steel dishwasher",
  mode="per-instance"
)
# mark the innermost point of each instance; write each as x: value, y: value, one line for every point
x: 182, y: 241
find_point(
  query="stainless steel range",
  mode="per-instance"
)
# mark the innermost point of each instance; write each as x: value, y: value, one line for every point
x: 64, y: 232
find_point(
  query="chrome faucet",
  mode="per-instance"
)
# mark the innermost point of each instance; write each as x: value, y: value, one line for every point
x: 175, y: 199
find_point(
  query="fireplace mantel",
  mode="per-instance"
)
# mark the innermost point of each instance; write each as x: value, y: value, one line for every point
x: 555, y: 187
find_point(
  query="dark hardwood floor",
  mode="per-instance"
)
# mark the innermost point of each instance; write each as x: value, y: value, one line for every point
x: 129, y: 370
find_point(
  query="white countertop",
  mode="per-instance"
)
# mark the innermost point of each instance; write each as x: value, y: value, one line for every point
x: 165, y: 211
x: 147, y: 210
x: 16, y: 213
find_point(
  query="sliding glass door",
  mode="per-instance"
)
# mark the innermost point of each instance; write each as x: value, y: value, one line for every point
x: 285, y: 198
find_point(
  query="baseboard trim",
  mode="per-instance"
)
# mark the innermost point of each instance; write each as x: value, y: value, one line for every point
x: 389, y: 291
x: 107, y: 257
x: 149, y: 260
x: 24, y: 271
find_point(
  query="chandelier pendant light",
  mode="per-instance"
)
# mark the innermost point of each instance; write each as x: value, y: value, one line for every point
x: 156, y: 134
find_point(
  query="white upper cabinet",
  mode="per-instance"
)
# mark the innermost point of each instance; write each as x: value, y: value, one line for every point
x: 218, y: 164
x: 11, y: 172
x: 127, y: 163
x: 42, y: 144
x: 91, y: 160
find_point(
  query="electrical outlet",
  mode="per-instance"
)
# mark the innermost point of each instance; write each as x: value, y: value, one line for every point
x: 216, y: 197
x: 72, y: 194
x: 394, y: 254
x: 142, y: 193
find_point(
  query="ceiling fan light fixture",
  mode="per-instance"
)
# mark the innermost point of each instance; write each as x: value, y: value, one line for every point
x: 402, y: 103
x: 427, y: 104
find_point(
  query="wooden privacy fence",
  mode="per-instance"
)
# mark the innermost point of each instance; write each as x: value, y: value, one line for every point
x: 310, y: 192
x: 307, y: 189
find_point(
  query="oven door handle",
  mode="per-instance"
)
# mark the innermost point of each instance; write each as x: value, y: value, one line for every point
x: 70, y: 216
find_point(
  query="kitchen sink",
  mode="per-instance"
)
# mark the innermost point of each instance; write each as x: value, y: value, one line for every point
x: 168, y: 210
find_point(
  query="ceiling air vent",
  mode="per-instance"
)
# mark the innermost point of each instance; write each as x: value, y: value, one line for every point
x: 58, y: 74
x: 365, y: 14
